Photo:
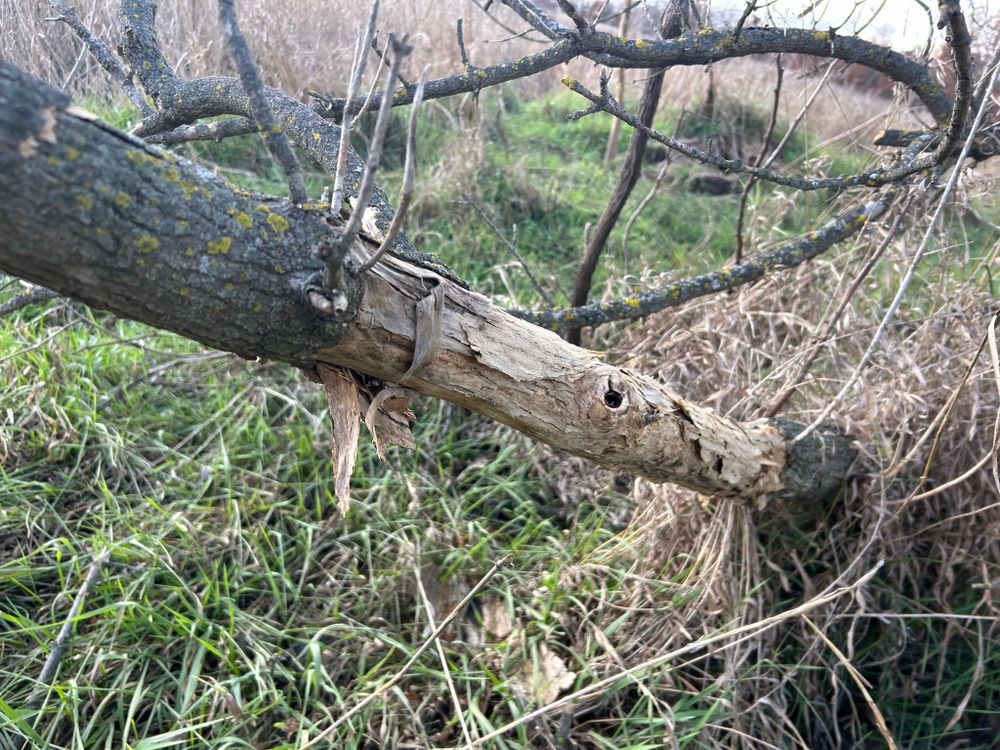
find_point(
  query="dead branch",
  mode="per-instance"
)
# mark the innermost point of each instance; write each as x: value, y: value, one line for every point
x: 752, y: 268
x: 272, y: 133
x: 103, y: 54
x: 224, y: 268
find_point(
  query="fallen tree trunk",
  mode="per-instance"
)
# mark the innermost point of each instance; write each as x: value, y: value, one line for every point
x: 105, y: 218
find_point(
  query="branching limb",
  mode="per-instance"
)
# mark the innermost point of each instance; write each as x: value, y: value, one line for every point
x: 103, y: 54
x: 874, y: 178
x: 751, y: 269
x: 205, y: 131
x: 272, y: 133
x: 184, y: 102
x: 468, y: 82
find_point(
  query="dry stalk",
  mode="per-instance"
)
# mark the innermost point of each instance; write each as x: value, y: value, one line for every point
x: 432, y: 638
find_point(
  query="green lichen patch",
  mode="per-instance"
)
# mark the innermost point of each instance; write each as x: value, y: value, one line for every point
x: 220, y: 246
x: 277, y: 222
x: 147, y: 243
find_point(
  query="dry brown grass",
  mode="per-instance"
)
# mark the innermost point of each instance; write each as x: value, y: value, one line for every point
x: 299, y: 44
x: 925, y: 415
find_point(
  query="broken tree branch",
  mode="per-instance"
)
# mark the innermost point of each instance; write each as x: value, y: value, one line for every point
x: 272, y: 133
x: 195, y: 257
x: 103, y: 54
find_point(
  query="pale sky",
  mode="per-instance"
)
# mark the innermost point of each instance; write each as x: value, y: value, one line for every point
x: 904, y: 22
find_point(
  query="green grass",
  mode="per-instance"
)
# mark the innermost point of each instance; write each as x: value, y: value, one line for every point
x: 237, y: 599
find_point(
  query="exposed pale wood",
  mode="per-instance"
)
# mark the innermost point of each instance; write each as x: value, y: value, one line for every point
x: 532, y: 380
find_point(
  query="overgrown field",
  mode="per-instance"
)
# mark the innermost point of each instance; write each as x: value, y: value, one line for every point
x: 238, y: 609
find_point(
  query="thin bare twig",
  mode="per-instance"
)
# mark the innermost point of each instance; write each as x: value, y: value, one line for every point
x: 874, y: 178
x: 103, y: 54
x: 611, y: 148
x: 361, y: 45
x: 400, y: 49
x: 383, y: 59
x: 409, y: 178
x: 38, y: 294
x: 383, y: 62
x: 66, y: 632
x: 779, y: 401
x: 646, y: 200
x: 388, y: 684
x: 800, y: 116
x: 445, y: 669
x: 270, y: 130
x: 511, y: 246
x: 515, y: 34
x: 759, y: 160
x: 61, y: 643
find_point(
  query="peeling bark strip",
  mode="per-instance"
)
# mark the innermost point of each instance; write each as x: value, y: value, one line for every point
x: 100, y: 216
